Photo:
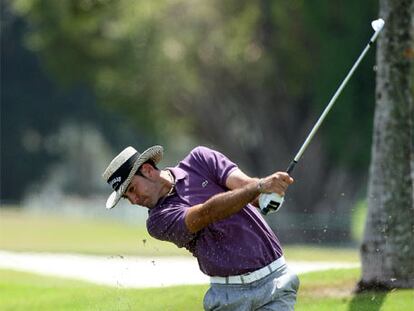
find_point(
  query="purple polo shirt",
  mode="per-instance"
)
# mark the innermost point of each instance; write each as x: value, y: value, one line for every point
x: 239, y: 244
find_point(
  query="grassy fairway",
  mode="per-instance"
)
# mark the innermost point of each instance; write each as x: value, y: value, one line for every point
x: 22, y: 292
x: 312, y: 253
x: 48, y: 233
x: 321, y: 291
x: 25, y: 232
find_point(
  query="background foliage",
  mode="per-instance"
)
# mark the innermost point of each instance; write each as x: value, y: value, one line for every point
x: 246, y: 77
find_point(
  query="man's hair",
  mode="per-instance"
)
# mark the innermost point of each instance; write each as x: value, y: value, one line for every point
x: 150, y: 162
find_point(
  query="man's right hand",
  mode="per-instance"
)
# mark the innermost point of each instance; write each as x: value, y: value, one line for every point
x: 276, y: 183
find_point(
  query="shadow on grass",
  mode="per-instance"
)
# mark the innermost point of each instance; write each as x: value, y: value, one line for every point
x: 368, y: 296
x: 367, y: 301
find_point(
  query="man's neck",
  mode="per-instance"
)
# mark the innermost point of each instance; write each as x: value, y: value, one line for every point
x: 168, y: 182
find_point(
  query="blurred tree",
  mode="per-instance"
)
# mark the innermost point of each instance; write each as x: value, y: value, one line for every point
x: 388, y: 246
x: 247, y: 77
x: 98, y: 42
x: 34, y: 107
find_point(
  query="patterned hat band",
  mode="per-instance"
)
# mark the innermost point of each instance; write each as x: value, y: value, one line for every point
x: 121, y: 174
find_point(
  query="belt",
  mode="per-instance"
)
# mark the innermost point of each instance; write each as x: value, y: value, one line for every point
x: 251, y: 276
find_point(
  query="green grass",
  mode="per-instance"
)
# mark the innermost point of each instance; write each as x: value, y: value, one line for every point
x: 48, y: 233
x: 359, y: 215
x: 312, y: 253
x: 321, y: 291
x: 24, y: 291
x: 332, y: 290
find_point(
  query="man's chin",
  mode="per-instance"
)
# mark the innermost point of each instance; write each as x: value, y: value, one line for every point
x: 147, y: 204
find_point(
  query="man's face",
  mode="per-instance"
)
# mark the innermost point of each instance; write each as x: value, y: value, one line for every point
x: 142, y: 191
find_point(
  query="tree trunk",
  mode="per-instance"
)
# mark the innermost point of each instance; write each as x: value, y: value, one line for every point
x: 387, y: 250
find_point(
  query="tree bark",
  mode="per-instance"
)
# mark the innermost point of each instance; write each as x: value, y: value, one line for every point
x: 387, y: 251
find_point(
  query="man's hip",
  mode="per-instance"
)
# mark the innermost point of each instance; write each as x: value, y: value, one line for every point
x: 275, y: 291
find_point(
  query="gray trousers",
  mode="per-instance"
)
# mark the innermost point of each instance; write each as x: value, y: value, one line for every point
x: 277, y: 291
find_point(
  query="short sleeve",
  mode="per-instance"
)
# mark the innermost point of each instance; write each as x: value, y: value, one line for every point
x: 168, y: 224
x: 217, y: 164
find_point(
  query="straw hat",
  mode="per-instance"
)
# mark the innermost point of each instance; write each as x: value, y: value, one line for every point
x: 124, y: 166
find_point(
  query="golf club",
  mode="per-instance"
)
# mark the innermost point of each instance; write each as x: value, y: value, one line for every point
x: 271, y: 202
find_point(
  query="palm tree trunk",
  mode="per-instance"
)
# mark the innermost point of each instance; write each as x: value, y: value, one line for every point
x: 387, y: 251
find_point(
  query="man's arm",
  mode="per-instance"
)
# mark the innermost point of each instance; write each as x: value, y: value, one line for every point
x: 220, y: 206
x: 238, y: 179
x: 243, y: 190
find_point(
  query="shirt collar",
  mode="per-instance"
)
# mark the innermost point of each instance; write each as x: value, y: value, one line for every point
x: 178, y: 173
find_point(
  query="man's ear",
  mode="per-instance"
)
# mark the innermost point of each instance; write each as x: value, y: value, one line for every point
x: 147, y: 169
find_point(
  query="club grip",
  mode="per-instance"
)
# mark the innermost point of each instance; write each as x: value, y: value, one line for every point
x: 291, y: 167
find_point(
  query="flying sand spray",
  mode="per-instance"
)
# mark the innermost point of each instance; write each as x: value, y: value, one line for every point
x: 271, y: 202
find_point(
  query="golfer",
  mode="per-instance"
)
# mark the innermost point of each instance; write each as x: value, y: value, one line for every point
x: 206, y: 204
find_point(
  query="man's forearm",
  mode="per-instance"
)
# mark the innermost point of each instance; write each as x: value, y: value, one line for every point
x: 220, y: 206
x: 225, y: 204
x: 228, y: 203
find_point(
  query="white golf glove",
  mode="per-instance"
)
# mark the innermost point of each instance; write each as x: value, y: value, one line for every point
x: 270, y: 202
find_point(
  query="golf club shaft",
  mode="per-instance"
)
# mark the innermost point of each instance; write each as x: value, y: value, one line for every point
x: 330, y: 104
x: 271, y: 202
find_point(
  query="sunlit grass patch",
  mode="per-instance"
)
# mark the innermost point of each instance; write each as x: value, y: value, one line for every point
x: 24, y: 291
x: 323, y: 291
x: 320, y: 253
x: 51, y: 233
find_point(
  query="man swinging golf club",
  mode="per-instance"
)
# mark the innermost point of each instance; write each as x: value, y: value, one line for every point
x: 204, y: 205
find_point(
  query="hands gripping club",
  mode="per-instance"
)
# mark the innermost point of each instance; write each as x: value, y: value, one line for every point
x: 272, y: 202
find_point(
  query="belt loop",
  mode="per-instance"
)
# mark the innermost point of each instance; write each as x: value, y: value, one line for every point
x: 270, y: 268
x: 227, y: 280
x: 242, y: 279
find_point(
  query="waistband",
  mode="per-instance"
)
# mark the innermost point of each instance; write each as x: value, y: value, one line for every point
x: 251, y: 276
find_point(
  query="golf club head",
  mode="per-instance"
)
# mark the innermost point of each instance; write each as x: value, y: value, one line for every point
x: 378, y: 24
